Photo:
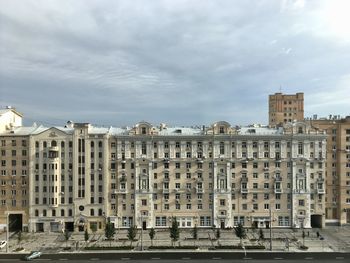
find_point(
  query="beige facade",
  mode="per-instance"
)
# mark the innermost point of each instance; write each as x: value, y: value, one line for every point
x: 14, y: 172
x: 284, y: 108
x: 81, y: 176
x: 338, y: 168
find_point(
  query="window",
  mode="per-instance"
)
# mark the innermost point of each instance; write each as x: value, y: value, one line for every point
x: 301, y: 202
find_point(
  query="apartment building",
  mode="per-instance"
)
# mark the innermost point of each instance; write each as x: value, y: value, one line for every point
x: 284, y: 108
x: 14, y: 171
x: 80, y: 176
x: 337, y: 168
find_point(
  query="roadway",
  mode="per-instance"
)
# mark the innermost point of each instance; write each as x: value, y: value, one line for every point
x: 175, y: 257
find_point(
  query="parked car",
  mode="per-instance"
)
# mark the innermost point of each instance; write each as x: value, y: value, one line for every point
x: 33, y: 255
x: 3, y: 244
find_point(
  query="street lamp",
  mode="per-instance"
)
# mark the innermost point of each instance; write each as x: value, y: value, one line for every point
x: 7, y: 232
x: 270, y: 229
x: 141, y: 219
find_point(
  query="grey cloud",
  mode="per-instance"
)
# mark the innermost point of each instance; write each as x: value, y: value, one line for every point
x: 184, y: 62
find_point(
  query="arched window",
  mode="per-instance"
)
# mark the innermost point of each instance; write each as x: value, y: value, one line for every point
x: 62, y: 212
x: 62, y: 144
x: 53, y: 144
x: 36, y: 212
x: 92, y: 144
x: 44, y: 144
x: 100, y: 144
x: 92, y: 212
x: 44, y: 212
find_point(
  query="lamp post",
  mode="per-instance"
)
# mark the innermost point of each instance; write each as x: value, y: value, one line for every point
x: 270, y: 229
x: 141, y: 218
x: 7, y: 232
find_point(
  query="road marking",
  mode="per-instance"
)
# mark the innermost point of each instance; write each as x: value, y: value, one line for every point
x: 309, y: 258
x: 9, y: 259
x: 278, y: 258
x: 43, y: 259
x: 216, y: 258
x: 94, y: 259
x: 186, y: 258
x: 339, y: 258
x: 63, y: 259
x: 155, y: 258
x: 247, y: 258
x: 125, y: 258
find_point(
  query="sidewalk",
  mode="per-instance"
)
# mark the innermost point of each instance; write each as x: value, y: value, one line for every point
x: 336, y: 239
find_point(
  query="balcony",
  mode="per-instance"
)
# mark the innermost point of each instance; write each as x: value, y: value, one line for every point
x: 244, y: 179
x: 278, y: 190
x: 122, y: 178
x: 143, y: 191
x: 120, y: 191
x: 221, y: 216
x: 244, y: 190
x: 199, y: 190
x: 166, y: 190
x: 199, y: 160
x: 222, y: 191
x: 321, y: 191
x: 278, y: 178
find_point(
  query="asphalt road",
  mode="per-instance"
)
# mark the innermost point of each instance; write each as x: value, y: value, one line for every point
x: 178, y: 261
x: 184, y: 257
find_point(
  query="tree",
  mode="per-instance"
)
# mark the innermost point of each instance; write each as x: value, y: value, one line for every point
x: 66, y: 236
x: 174, y: 231
x: 194, y: 233
x: 109, y: 232
x: 261, y: 234
x: 218, y: 233
x: 86, y: 235
x: 19, y: 237
x: 152, y: 234
x: 93, y: 228
x: 240, y: 232
x: 132, y: 231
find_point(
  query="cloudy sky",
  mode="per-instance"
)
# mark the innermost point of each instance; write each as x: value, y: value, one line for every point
x: 182, y: 62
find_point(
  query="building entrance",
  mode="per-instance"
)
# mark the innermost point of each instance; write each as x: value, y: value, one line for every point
x: 15, y: 222
x: 316, y: 221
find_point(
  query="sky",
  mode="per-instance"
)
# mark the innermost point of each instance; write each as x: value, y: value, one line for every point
x: 180, y: 62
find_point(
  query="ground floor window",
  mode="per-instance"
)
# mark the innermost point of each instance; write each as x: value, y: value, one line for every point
x: 160, y: 220
x: 237, y: 220
x: 205, y: 221
x: 283, y: 221
x: 127, y: 221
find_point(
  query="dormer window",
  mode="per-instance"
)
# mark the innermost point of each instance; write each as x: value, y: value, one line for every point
x: 221, y: 129
x: 143, y: 130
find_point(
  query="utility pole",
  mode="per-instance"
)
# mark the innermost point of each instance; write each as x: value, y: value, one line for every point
x: 7, y: 232
x: 270, y: 229
x: 141, y: 232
